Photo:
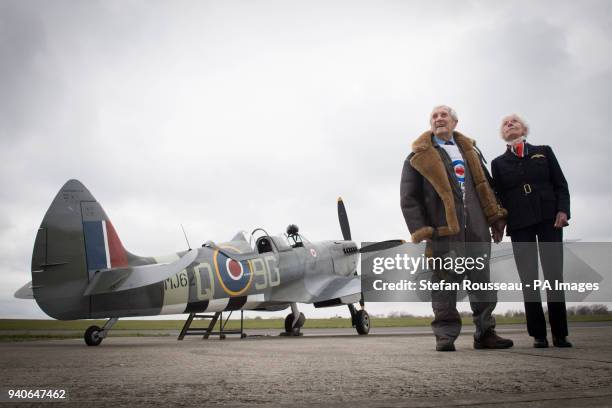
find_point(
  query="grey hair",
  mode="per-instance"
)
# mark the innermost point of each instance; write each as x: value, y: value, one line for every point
x: 520, y: 119
x: 450, y: 111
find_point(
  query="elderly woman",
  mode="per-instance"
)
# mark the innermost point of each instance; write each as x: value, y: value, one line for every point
x: 531, y: 186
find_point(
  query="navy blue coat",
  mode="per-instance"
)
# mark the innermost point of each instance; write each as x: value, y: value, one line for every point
x: 533, y: 188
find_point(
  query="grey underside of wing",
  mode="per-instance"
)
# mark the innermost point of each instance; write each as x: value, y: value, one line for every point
x: 506, y: 251
x: 501, y: 254
x: 119, y: 279
x: 318, y: 289
x: 25, y: 292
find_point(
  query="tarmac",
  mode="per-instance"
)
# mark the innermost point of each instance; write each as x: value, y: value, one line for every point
x: 324, y: 368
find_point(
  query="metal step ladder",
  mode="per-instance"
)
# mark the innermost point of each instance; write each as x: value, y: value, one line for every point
x: 187, y: 330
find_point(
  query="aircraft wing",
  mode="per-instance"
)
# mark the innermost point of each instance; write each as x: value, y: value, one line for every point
x: 119, y: 279
x: 25, y: 292
x: 501, y: 254
x: 504, y: 252
x: 320, y: 289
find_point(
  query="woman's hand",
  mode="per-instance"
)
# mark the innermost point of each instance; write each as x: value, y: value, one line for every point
x: 561, y: 220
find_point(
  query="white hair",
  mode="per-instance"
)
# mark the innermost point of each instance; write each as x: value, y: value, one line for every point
x: 450, y: 111
x: 517, y: 117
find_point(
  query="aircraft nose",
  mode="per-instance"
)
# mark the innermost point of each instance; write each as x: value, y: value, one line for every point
x: 345, y: 255
x: 350, y: 248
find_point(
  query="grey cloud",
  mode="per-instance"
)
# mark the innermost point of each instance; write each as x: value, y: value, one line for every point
x: 231, y: 116
x: 22, y: 39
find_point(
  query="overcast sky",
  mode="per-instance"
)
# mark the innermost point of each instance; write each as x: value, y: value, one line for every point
x: 232, y: 115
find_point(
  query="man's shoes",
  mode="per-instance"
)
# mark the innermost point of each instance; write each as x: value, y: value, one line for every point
x: 540, y: 342
x: 445, y: 345
x: 561, y: 342
x: 490, y: 340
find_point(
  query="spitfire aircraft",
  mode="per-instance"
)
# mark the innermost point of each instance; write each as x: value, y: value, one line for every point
x: 81, y: 270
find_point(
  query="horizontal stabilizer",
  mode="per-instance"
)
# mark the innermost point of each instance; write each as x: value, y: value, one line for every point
x: 25, y: 292
x: 119, y: 279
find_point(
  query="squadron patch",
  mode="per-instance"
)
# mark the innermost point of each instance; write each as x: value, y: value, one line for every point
x: 235, y: 277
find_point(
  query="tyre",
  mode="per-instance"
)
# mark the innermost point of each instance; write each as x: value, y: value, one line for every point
x: 289, y: 322
x: 362, y: 320
x: 92, y: 337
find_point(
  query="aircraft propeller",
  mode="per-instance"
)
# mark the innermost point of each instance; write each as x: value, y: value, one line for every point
x: 346, y: 233
x: 377, y: 246
x: 343, y: 218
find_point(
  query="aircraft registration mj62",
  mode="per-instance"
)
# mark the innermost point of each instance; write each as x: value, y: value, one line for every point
x: 81, y: 270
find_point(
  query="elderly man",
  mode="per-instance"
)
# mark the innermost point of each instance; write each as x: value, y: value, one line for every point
x: 447, y: 200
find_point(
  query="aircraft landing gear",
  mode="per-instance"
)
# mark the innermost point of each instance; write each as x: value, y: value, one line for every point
x: 360, y: 320
x: 293, y: 324
x: 362, y: 323
x: 94, y: 335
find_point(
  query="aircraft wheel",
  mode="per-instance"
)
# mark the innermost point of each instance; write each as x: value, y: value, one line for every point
x: 362, y: 320
x: 289, y: 322
x: 92, y: 337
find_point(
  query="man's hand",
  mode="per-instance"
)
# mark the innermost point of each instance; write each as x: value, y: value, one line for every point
x: 497, y: 230
x: 561, y: 220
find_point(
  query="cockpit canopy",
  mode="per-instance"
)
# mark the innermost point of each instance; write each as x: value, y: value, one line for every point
x: 268, y: 243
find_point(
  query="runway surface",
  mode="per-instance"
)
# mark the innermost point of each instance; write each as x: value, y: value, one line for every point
x: 388, y: 368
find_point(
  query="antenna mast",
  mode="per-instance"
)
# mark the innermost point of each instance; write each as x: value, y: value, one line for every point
x: 185, y: 234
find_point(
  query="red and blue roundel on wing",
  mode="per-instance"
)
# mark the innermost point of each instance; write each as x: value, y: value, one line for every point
x: 234, y: 276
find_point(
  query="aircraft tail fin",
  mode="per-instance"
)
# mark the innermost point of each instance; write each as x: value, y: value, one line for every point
x: 75, y: 239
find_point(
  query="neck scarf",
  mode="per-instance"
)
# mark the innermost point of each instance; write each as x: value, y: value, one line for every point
x: 518, y: 147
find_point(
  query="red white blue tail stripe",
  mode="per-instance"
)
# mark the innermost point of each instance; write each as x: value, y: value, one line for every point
x: 103, y: 248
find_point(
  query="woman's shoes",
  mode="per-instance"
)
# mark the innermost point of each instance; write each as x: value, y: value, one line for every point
x: 557, y: 342
x: 540, y: 343
x: 561, y: 342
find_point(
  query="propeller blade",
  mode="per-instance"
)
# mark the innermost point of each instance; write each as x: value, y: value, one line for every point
x: 382, y: 245
x: 343, y: 218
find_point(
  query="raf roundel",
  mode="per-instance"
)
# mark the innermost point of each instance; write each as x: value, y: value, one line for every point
x: 235, y: 277
x: 459, y: 168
